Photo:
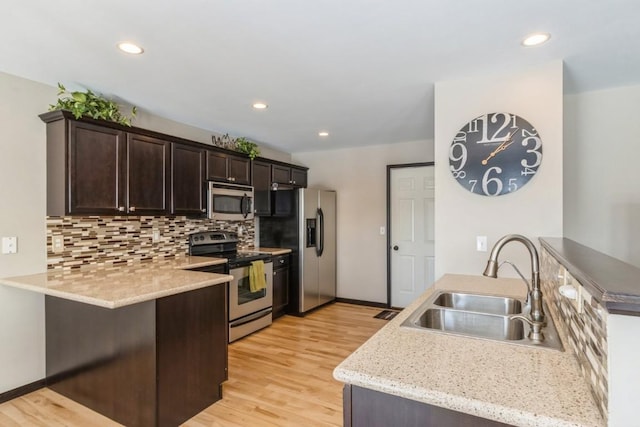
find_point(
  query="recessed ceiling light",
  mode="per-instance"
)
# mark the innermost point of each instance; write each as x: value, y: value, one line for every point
x: 131, y: 48
x: 323, y: 133
x: 260, y: 105
x: 536, y: 39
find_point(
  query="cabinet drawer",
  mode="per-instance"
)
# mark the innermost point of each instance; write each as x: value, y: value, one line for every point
x: 281, y: 261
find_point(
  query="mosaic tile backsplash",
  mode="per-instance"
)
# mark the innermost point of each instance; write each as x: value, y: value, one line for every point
x: 584, y: 321
x: 95, y: 241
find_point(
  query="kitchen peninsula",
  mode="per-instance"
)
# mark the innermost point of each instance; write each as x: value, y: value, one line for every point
x: 143, y: 344
x: 454, y: 380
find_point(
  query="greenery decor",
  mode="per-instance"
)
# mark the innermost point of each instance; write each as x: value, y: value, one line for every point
x: 91, y: 105
x: 243, y: 145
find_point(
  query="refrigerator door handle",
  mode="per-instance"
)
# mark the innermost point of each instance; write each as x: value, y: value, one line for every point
x: 320, y: 228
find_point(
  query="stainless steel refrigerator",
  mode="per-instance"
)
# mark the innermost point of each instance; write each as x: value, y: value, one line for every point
x: 317, y: 272
x: 309, y: 230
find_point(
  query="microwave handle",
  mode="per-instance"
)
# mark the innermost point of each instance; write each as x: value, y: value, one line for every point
x: 244, y: 212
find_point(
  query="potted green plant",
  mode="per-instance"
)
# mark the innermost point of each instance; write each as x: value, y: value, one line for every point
x: 89, y: 104
x: 243, y: 145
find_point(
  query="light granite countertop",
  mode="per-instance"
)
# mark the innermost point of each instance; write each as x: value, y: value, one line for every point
x: 504, y: 382
x: 118, y: 286
x: 270, y: 251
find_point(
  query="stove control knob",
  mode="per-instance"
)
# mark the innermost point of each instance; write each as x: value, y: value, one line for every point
x: 201, y: 237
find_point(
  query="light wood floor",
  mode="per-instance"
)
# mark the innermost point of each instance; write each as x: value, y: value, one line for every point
x: 280, y: 376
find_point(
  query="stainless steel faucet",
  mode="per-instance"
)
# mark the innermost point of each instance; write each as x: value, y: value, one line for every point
x: 536, y: 312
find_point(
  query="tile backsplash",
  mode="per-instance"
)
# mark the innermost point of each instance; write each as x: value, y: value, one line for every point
x: 584, y: 322
x: 94, y: 240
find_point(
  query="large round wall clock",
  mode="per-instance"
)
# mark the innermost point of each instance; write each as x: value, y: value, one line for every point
x: 495, y: 154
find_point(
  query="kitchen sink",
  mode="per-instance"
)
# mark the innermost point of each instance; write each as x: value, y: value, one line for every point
x: 479, y: 303
x: 490, y: 317
x: 470, y: 323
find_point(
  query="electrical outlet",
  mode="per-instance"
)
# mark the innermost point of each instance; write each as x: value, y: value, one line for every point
x: 481, y: 243
x: 57, y: 244
x: 9, y: 245
x: 155, y: 237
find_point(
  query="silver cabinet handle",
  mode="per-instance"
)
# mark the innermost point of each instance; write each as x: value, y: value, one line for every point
x: 132, y: 208
x: 121, y: 209
x: 281, y: 261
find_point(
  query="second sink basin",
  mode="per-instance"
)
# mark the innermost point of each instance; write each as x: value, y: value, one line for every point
x: 471, y: 323
x: 479, y: 303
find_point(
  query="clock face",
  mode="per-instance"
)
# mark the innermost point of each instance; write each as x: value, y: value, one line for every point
x: 495, y: 154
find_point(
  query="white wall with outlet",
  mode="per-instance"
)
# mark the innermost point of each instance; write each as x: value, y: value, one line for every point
x: 534, y: 210
x: 22, y: 169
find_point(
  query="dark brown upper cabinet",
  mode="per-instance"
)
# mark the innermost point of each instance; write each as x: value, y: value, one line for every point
x: 104, y: 170
x: 299, y: 177
x: 188, y: 180
x: 261, y: 187
x: 96, y: 163
x: 147, y: 176
x: 228, y: 168
x: 288, y: 175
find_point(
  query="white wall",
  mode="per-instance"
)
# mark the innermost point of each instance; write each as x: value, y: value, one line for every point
x: 145, y: 120
x: 534, y: 210
x: 602, y: 196
x: 22, y: 214
x: 359, y: 177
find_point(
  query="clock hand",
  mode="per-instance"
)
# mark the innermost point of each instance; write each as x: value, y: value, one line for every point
x: 507, y: 142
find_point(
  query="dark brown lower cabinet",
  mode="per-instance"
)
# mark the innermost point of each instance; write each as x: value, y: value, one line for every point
x: 155, y: 363
x: 280, y: 285
x: 370, y: 408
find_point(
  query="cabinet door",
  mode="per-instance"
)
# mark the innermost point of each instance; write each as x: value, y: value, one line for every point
x: 95, y: 165
x: 299, y: 177
x: 217, y: 166
x: 192, y: 336
x: 239, y: 170
x: 280, y: 286
x: 187, y: 180
x: 281, y: 174
x: 262, y: 188
x: 147, y: 175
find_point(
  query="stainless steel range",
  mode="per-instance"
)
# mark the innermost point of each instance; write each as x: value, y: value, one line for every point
x: 249, y: 310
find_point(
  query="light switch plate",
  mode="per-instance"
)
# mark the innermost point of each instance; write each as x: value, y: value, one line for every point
x: 155, y: 238
x: 382, y: 231
x: 481, y: 243
x: 9, y: 245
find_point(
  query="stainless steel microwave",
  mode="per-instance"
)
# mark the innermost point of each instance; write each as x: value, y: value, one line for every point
x: 229, y: 202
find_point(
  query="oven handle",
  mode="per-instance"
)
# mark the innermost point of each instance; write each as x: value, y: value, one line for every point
x: 250, y: 318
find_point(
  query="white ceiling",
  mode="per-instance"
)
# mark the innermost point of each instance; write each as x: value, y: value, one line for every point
x: 364, y: 70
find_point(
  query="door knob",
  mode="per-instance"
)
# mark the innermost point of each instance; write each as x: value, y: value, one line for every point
x: 395, y: 248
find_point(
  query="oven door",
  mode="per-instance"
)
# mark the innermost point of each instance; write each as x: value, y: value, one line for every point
x: 230, y: 202
x: 242, y: 301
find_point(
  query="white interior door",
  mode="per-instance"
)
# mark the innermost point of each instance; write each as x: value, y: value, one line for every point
x: 412, y: 233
